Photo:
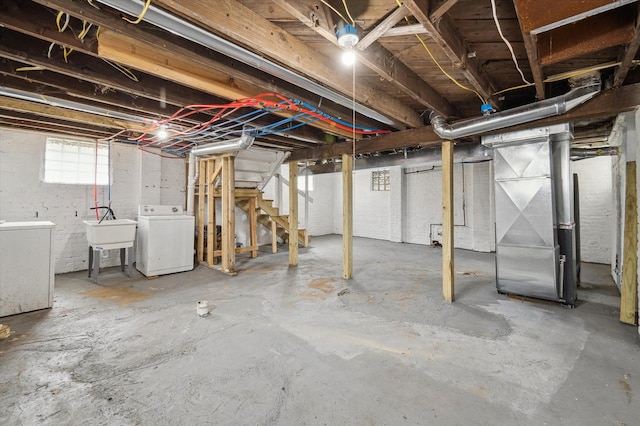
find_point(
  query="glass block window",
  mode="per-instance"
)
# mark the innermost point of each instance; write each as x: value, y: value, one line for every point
x: 73, y: 162
x: 380, y: 180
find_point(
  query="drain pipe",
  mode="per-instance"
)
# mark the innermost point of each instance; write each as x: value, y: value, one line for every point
x: 191, y: 184
x: 524, y: 114
x: 583, y: 153
x: 225, y: 147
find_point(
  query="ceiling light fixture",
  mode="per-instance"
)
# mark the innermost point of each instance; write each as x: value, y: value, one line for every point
x: 347, y: 35
x: 162, y: 132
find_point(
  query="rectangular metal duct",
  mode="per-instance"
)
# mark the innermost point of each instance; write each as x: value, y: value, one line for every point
x: 533, y: 200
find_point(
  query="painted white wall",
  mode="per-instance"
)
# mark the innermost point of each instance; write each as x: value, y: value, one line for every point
x: 136, y: 176
x: 597, y: 209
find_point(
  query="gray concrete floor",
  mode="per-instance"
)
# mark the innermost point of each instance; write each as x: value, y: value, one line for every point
x: 301, y: 346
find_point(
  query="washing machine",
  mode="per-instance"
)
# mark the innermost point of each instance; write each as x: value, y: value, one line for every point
x: 164, y: 240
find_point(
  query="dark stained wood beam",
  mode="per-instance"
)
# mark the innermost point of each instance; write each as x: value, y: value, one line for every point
x: 245, y: 27
x: 540, y: 14
x: 378, y: 59
x: 614, y: 28
x: 606, y: 104
x: 454, y: 46
x: 531, y: 45
x: 627, y: 54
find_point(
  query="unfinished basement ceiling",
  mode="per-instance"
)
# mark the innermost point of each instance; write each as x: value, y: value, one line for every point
x: 87, y: 71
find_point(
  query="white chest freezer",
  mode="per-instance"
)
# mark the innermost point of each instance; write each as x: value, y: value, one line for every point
x: 165, y: 240
x: 26, y: 266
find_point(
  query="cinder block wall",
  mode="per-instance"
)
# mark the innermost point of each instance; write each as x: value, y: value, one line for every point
x: 137, y: 178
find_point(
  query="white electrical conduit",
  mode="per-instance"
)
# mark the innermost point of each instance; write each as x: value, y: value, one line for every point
x: 524, y: 114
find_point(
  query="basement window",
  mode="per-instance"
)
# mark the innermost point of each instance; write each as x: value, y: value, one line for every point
x: 380, y: 180
x: 73, y: 161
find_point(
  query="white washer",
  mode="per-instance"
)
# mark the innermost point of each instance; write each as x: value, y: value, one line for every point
x: 165, y: 240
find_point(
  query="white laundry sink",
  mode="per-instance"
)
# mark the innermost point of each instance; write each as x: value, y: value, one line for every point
x: 109, y: 232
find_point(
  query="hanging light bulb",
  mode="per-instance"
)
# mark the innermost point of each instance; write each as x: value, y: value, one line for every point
x: 347, y: 37
x: 348, y: 57
x: 162, y: 132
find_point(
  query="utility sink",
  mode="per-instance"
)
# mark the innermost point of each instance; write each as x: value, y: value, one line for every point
x: 116, y: 232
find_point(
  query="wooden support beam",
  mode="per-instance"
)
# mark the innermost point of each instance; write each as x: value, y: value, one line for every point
x: 441, y: 10
x: 347, y: 216
x: 202, y: 191
x: 293, y: 213
x: 605, y: 104
x: 228, y: 215
x: 587, y: 36
x: 375, y: 57
x: 68, y: 114
x: 629, y: 287
x: 448, y: 37
x: 211, y: 218
x: 253, y: 225
x: 242, y: 25
x: 405, y: 30
x: 448, y: 276
x: 384, y: 26
x: 274, y: 236
x: 627, y: 54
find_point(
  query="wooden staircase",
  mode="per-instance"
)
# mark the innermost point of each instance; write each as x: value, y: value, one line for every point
x: 267, y: 214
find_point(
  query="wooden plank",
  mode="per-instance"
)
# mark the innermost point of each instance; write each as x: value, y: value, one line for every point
x: 441, y: 10
x: 375, y: 57
x: 274, y: 236
x: 347, y: 216
x: 228, y: 215
x: 214, y: 230
x: 293, y: 213
x: 405, y: 30
x: 629, y: 287
x: 586, y: 36
x: 68, y: 114
x: 242, y: 25
x: 387, y: 23
x: 540, y: 13
x: 448, y: 292
x: 253, y: 225
x: 211, y: 228
x: 202, y: 191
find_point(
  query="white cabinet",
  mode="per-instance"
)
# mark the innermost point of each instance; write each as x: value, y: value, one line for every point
x: 26, y: 266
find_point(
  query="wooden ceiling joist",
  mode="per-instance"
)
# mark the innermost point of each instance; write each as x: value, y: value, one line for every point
x: 378, y: 59
x: 454, y: 46
x: 380, y: 29
x: 627, y: 53
x: 245, y: 27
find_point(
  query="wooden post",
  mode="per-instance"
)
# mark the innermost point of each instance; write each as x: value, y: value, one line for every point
x: 228, y: 215
x: 293, y: 213
x: 347, y: 216
x: 202, y: 179
x: 211, y: 224
x: 274, y: 236
x: 253, y: 225
x: 629, y: 288
x: 448, y: 293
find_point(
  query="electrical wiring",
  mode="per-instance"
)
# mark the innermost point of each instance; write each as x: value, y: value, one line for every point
x: 344, y: 2
x: 449, y: 76
x: 126, y: 71
x: 141, y: 16
x: 335, y: 10
x: 222, y: 126
x: 513, y: 55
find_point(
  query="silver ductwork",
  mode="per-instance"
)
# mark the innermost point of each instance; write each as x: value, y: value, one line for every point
x: 224, y: 147
x: 534, y: 205
x: 524, y: 114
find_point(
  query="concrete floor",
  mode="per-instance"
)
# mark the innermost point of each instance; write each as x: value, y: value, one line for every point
x: 301, y: 346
